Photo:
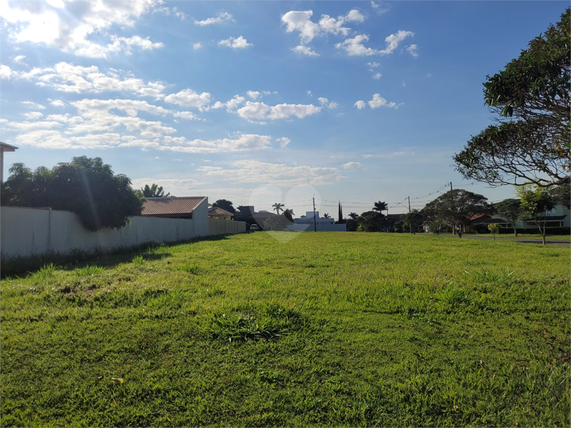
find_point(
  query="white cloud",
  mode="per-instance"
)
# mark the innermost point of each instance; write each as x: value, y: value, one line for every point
x: 57, y: 103
x: 6, y: 72
x: 253, y: 94
x: 235, y: 43
x: 66, y: 77
x: 355, y: 16
x: 378, y: 101
x: 380, y: 8
x: 219, y: 19
x: 243, y: 142
x: 196, y: 46
x: 393, y: 41
x: 252, y: 171
x: 34, y: 115
x: 304, y: 50
x: 373, y: 64
x: 124, y: 44
x: 360, y: 104
x: 351, y: 165
x: 413, y: 50
x: 377, y: 76
x: 20, y: 59
x: 31, y: 104
x: 325, y: 102
x: 257, y: 111
x: 284, y: 142
x: 69, y: 28
x: 189, y: 98
x: 300, y: 21
x: 355, y: 46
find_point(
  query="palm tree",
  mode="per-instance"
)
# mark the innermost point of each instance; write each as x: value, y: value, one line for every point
x: 154, y: 191
x: 289, y: 214
x: 278, y: 207
x: 380, y: 206
x: 326, y: 215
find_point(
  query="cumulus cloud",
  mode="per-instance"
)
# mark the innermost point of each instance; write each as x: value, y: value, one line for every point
x: 380, y: 8
x: 35, y: 115
x: 376, y: 102
x: 66, y: 77
x: 33, y: 105
x: 196, y: 46
x: 124, y: 44
x: 235, y: 43
x: 243, y: 142
x: 300, y: 21
x: 326, y: 103
x: 377, y: 76
x: 20, y: 59
x: 284, y: 142
x: 304, y: 50
x: 69, y: 28
x: 253, y: 94
x: 57, y: 103
x: 351, y: 165
x: 252, y: 171
x: 189, y: 98
x: 258, y: 111
x: 218, y: 19
x: 413, y: 50
x: 355, y: 46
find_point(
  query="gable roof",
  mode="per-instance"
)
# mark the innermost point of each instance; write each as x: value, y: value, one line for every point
x: 171, y: 205
x: 219, y: 211
x: 7, y: 147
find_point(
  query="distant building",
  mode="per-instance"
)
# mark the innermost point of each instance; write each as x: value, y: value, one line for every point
x: 4, y: 148
x: 173, y: 207
x: 322, y: 224
x: 219, y: 213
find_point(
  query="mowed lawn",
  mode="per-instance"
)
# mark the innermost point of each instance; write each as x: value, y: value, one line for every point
x: 325, y: 329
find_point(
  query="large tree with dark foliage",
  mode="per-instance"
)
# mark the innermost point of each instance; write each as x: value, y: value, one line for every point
x: 531, y: 142
x: 535, y: 201
x: 225, y: 205
x: 85, y: 186
x: 455, y: 208
x: 510, y: 210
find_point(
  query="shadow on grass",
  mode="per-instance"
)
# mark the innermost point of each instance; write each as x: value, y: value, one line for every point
x: 26, y: 266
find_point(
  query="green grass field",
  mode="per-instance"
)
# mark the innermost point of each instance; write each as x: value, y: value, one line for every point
x: 327, y: 329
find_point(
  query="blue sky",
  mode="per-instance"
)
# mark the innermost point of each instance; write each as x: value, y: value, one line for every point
x: 258, y: 101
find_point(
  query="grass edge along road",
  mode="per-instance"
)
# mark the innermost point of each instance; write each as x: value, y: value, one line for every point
x: 328, y: 329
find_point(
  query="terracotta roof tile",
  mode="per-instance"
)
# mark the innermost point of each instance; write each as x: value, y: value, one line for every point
x: 171, y: 205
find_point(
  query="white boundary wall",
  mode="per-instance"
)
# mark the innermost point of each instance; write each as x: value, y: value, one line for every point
x: 226, y: 227
x: 32, y: 231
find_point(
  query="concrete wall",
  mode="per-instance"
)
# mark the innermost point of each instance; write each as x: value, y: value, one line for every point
x: 320, y: 227
x: 31, y: 231
x: 226, y: 227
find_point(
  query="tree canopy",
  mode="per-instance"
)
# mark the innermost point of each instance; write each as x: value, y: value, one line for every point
x: 455, y: 208
x: 535, y: 201
x: 510, y: 210
x: 85, y: 186
x: 225, y: 205
x: 531, y: 97
x: 154, y: 191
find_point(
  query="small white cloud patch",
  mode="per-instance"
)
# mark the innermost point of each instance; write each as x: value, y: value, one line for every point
x: 235, y: 43
x: 351, y: 165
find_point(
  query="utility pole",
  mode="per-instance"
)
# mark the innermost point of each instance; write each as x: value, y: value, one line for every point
x: 450, y: 186
x: 314, y: 219
x: 409, y: 217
